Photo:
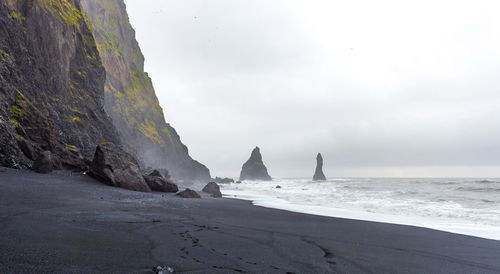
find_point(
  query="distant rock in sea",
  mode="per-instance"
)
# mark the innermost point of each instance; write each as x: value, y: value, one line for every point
x: 318, y: 174
x: 254, y: 168
x: 226, y: 180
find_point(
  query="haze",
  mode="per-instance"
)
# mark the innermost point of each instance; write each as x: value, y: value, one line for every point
x: 380, y: 88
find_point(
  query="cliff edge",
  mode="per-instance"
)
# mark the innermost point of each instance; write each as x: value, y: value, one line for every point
x: 130, y: 98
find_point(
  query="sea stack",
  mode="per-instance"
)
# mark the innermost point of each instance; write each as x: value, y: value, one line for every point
x: 254, y: 168
x: 318, y: 174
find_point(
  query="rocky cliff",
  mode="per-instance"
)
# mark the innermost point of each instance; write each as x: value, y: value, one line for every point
x: 71, y: 77
x: 130, y: 98
x: 51, y: 83
x: 254, y: 168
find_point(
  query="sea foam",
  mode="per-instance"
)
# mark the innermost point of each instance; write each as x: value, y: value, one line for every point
x: 464, y: 206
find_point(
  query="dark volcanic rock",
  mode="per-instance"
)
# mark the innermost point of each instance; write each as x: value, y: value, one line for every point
x: 254, y: 168
x: 158, y: 173
x: 51, y: 83
x: 188, y: 193
x: 213, y: 188
x: 318, y: 174
x: 46, y: 163
x: 116, y: 167
x: 226, y: 180
x: 157, y: 182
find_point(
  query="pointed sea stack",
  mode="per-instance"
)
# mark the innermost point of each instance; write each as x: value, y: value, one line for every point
x: 254, y: 168
x: 318, y: 174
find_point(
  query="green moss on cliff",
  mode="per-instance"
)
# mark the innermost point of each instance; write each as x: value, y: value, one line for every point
x: 76, y: 110
x: 17, y: 16
x: 70, y: 146
x: 150, y: 131
x: 15, y: 111
x: 14, y: 122
x: 167, y: 132
x: 133, y: 101
x: 20, y: 98
x: 108, y: 42
x: 5, y: 59
x: 18, y: 109
x: 66, y: 11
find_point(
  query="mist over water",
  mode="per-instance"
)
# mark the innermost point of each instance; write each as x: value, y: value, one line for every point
x: 464, y: 206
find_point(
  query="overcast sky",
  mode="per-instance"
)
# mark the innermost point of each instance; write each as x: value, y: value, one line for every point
x: 380, y: 88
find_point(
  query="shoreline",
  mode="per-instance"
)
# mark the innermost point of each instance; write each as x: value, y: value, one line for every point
x: 66, y: 222
x: 489, y: 233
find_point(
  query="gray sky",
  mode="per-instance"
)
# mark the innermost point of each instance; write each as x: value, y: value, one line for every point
x: 380, y: 88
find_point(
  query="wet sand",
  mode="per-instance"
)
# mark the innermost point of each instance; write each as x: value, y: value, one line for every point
x: 70, y: 223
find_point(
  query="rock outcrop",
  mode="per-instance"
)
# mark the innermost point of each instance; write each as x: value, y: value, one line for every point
x: 157, y: 182
x: 51, y: 84
x: 188, y: 193
x: 318, y: 174
x: 115, y: 167
x: 130, y: 98
x: 213, y: 189
x: 254, y: 168
x: 46, y: 163
x: 226, y: 180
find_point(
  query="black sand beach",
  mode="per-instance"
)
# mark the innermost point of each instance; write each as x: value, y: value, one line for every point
x: 70, y: 223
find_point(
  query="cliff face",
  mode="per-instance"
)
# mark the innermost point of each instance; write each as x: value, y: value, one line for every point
x: 51, y: 83
x: 130, y: 99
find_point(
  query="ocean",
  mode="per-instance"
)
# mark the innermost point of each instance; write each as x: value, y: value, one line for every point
x: 460, y: 205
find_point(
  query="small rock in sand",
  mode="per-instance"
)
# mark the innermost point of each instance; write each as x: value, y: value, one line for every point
x: 163, y: 269
x: 188, y: 193
x: 157, y: 182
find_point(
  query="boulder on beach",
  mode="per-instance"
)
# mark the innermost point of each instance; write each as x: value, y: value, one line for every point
x: 213, y: 188
x: 46, y: 163
x: 188, y: 193
x: 157, y: 182
x: 115, y: 167
x: 226, y: 180
x: 318, y: 174
x: 254, y: 168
